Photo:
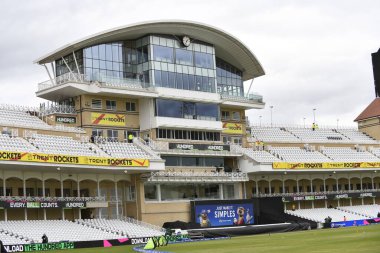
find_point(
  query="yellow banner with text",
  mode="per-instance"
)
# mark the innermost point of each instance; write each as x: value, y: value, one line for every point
x: 69, y: 159
x: 331, y: 165
x: 108, y: 119
x: 232, y: 128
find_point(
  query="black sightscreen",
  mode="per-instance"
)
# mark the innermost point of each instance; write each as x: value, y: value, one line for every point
x: 376, y: 71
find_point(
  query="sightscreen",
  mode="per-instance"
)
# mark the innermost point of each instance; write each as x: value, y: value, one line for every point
x: 224, y: 213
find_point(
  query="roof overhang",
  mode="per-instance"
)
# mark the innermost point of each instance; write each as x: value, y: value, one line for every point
x: 227, y: 47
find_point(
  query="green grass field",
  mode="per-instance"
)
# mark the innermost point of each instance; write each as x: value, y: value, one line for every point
x: 339, y: 240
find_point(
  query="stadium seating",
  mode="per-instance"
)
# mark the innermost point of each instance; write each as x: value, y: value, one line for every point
x: 357, y: 136
x: 123, y: 149
x: 345, y: 154
x: 51, y: 144
x: 56, y: 230
x: 319, y: 214
x: 19, y: 117
x: 9, y: 238
x: 8, y: 143
x: 275, y: 134
x: 370, y: 211
x: 296, y: 154
x: 319, y: 135
x: 260, y: 156
x: 124, y: 228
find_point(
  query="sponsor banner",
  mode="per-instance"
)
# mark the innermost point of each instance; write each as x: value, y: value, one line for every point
x: 351, y: 223
x: 185, y: 146
x: 331, y: 165
x: 107, y: 119
x: 39, y: 247
x: 77, y: 160
x: 66, y: 119
x: 331, y: 196
x: 232, y: 128
x: 222, y: 215
x: 44, y: 204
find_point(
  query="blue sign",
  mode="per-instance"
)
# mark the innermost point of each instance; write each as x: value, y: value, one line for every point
x: 223, y: 215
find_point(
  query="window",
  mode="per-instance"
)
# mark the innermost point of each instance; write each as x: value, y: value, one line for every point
x: 228, y: 191
x: 225, y: 115
x: 171, y: 160
x: 150, y: 192
x: 131, y: 106
x: 163, y: 54
x: 96, y: 104
x: 187, y: 110
x: 203, y: 60
x: 183, y: 57
x: 97, y: 132
x: 111, y: 105
x: 187, y: 135
x: 112, y: 134
x: 169, y: 108
x: 131, y: 193
x: 236, y: 115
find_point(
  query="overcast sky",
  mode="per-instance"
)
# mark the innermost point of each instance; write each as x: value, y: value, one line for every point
x: 316, y: 54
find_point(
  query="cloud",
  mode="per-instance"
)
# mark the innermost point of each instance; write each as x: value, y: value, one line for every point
x: 316, y: 54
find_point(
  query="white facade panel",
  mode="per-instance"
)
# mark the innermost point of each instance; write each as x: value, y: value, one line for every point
x: 167, y: 122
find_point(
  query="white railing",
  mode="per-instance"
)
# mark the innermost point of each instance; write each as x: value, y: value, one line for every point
x: 251, y: 98
x: 295, y: 194
x: 61, y: 109
x: 31, y: 198
x: 203, y: 176
x: 299, y: 126
x: 101, y: 80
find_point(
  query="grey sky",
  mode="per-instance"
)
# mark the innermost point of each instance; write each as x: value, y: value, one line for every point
x: 316, y: 54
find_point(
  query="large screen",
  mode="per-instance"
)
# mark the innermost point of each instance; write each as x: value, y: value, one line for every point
x: 223, y: 213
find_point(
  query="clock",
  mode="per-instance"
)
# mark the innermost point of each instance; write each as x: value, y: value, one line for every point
x: 186, y: 41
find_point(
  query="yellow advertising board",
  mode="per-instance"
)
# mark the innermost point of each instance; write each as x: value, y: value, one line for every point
x: 232, y: 128
x: 107, y: 119
x: 69, y: 159
x: 331, y: 165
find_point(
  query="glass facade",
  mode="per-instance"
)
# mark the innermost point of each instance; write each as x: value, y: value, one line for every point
x: 179, y: 134
x: 229, y: 79
x: 193, y: 161
x: 156, y: 60
x: 188, y: 110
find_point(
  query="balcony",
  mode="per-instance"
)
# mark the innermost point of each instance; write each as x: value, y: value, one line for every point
x: 164, y: 176
x: 74, y: 84
x: 248, y: 101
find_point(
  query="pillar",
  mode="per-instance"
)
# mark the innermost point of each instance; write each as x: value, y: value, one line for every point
x: 117, y: 201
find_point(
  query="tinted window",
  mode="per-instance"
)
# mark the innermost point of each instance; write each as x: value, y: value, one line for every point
x: 169, y: 108
x: 183, y: 57
x: 203, y: 60
x: 163, y: 54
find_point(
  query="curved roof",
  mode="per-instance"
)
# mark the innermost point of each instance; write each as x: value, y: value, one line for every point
x: 226, y: 46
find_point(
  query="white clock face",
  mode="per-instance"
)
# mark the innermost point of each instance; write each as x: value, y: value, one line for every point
x: 186, y: 41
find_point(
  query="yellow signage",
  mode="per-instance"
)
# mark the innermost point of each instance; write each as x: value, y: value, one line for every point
x: 69, y: 159
x: 107, y: 119
x: 331, y: 165
x: 232, y: 128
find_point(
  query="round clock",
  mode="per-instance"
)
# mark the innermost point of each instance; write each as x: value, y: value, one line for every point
x: 186, y: 41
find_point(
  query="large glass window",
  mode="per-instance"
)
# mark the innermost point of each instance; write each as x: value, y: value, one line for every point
x: 183, y: 57
x: 203, y: 60
x: 163, y: 54
x: 176, y: 191
x: 229, y: 79
x: 169, y: 108
x: 150, y: 192
x: 164, y: 133
x: 187, y: 110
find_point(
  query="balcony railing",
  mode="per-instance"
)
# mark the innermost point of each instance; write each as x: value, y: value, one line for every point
x: 246, y: 98
x: 101, y: 80
x: 164, y: 176
x: 35, y: 198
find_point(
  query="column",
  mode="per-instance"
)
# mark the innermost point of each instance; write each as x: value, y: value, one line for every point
x: 158, y: 186
x: 98, y: 188
x: 43, y: 194
x: 257, y: 187
x: 270, y: 186
x: 373, y: 186
x: 24, y: 191
x: 63, y: 210
x: 361, y: 187
x: 311, y: 185
x: 117, y: 201
x: 298, y: 188
x: 78, y: 189
x: 283, y: 185
x: 221, y: 193
x: 5, y: 194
